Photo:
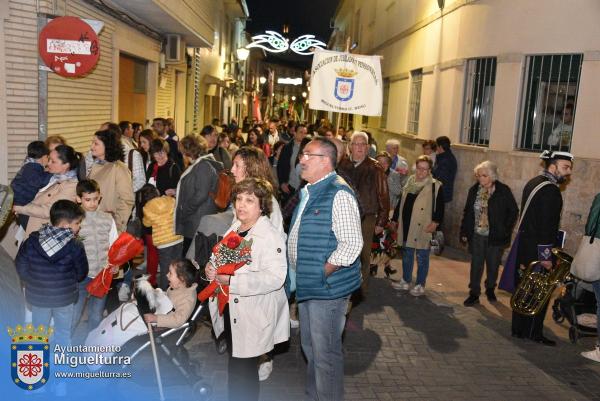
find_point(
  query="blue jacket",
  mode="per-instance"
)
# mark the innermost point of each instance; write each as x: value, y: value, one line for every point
x: 444, y: 170
x: 28, y: 181
x: 317, y: 241
x: 51, y: 281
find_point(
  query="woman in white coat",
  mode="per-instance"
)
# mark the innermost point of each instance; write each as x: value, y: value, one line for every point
x: 257, y: 316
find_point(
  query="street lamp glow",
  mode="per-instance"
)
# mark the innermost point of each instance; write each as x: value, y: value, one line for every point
x: 262, y: 80
x: 303, y: 94
x: 293, y: 98
x: 242, y: 53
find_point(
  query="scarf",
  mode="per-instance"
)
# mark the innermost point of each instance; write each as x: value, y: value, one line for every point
x: 53, y: 239
x: 414, y: 187
x: 553, y: 179
x: 69, y: 175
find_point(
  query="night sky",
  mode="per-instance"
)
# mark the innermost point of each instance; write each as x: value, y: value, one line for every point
x: 302, y: 16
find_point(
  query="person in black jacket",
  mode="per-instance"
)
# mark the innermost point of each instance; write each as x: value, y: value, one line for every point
x: 163, y: 173
x: 289, y: 179
x: 221, y: 155
x: 539, y: 232
x: 488, y: 220
x: 445, y: 166
x: 50, y: 263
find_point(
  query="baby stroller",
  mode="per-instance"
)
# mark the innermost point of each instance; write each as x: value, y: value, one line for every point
x: 577, y: 304
x: 125, y: 327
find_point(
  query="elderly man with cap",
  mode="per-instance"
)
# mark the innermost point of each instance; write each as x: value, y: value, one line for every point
x: 539, y: 232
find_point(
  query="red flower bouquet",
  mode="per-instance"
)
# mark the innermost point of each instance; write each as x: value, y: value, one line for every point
x: 231, y: 253
x: 125, y: 248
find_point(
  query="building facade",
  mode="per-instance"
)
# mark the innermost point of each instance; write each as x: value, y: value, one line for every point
x: 156, y: 60
x: 502, y: 79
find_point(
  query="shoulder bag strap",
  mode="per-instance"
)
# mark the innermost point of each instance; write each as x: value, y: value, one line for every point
x: 432, y: 200
x: 531, y: 195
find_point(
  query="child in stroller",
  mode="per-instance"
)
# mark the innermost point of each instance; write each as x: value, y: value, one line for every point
x: 173, y: 315
x: 577, y: 304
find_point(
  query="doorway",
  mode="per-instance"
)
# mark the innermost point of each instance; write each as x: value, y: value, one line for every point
x: 133, y: 74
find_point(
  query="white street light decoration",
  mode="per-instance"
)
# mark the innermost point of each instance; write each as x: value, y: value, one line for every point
x: 262, y: 80
x: 274, y: 42
x: 304, y: 45
x: 277, y: 43
x: 293, y: 98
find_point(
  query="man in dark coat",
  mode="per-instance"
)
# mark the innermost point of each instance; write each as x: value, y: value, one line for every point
x: 539, y: 232
x: 445, y: 166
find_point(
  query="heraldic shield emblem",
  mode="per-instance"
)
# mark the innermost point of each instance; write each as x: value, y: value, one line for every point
x: 344, y: 89
x: 30, y: 356
x: 344, y: 84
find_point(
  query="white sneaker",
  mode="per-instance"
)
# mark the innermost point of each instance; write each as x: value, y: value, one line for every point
x: 264, y: 370
x: 400, y: 285
x: 124, y: 292
x: 417, y: 290
x: 594, y: 355
x: 294, y: 324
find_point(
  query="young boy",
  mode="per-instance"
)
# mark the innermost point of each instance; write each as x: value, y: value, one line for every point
x: 98, y: 232
x: 50, y: 263
x: 31, y: 177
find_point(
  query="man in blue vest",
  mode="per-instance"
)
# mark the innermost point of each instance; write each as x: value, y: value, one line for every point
x: 324, y: 245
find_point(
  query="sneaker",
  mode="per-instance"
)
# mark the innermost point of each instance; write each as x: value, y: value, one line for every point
x: 294, y: 324
x: 264, y: 370
x: 490, y: 295
x: 417, y: 290
x: 400, y: 285
x: 471, y: 300
x: 594, y: 355
x: 124, y: 292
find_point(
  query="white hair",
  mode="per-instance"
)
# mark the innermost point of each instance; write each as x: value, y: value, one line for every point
x: 490, y: 167
x: 359, y: 134
x: 392, y: 142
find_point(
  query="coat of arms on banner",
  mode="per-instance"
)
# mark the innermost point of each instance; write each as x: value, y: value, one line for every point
x: 30, y: 356
x: 344, y: 84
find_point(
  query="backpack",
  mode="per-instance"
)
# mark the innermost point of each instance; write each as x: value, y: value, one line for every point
x: 224, y: 186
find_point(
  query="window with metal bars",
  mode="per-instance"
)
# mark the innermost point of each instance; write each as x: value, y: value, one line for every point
x: 384, y: 106
x: 414, y: 101
x: 478, y: 101
x: 550, y: 86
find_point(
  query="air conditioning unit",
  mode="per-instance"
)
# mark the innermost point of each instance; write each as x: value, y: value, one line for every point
x: 173, y: 49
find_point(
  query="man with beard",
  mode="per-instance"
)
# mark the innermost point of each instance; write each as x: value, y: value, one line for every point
x: 539, y: 232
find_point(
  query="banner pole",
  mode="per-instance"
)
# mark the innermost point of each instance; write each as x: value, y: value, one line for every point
x: 339, y: 116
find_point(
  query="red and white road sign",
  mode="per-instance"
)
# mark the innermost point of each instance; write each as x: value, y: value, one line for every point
x: 69, y: 46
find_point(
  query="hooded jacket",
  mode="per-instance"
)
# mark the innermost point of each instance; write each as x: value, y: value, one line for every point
x: 158, y: 214
x: 51, y: 281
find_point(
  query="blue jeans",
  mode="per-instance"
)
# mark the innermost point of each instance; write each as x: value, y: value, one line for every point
x: 95, y: 307
x: 408, y: 261
x: 63, y: 319
x: 321, y: 327
x: 596, y: 285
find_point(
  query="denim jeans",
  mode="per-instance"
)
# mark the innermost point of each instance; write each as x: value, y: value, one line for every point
x: 596, y: 285
x: 482, y: 252
x: 95, y: 307
x: 63, y: 319
x: 408, y: 261
x: 321, y: 327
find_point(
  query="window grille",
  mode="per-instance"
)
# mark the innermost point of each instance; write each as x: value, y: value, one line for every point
x: 414, y: 101
x: 478, y: 101
x: 384, y: 106
x: 549, y: 100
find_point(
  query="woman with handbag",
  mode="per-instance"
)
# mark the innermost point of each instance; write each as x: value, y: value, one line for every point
x: 592, y: 260
x: 488, y: 220
x: 419, y: 213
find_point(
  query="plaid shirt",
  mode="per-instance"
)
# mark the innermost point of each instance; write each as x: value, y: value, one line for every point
x: 345, y: 225
x: 53, y: 239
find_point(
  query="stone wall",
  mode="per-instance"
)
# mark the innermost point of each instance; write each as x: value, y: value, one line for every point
x: 514, y: 169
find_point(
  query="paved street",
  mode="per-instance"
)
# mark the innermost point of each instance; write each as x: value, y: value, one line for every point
x: 399, y: 347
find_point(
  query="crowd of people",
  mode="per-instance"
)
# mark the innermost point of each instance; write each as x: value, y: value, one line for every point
x: 312, y: 203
